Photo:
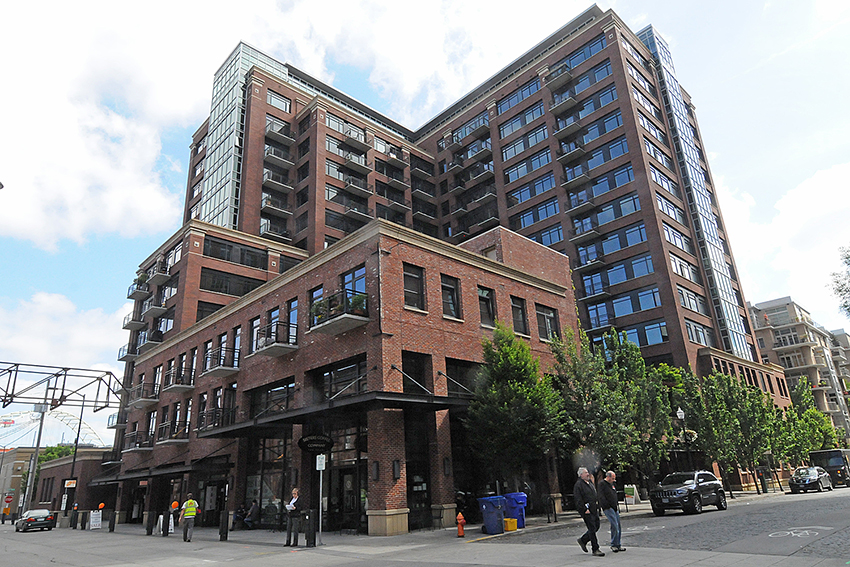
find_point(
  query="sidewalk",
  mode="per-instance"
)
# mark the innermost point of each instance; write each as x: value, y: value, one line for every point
x: 374, y: 544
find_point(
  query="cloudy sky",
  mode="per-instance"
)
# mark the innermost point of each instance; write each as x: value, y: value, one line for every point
x: 99, y: 100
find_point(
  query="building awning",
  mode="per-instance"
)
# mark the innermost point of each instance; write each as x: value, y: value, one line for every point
x: 270, y: 426
x: 163, y: 470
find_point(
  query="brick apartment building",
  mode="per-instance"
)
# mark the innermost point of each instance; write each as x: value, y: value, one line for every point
x: 287, y: 307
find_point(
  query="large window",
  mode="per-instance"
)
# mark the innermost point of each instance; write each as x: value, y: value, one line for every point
x: 525, y: 167
x: 671, y: 210
x: 532, y: 189
x: 278, y: 101
x: 521, y: 119
x: 518, y: 95
x: 487, y: 306
x: 523, y: 143
x: 451, y: 296
x: 230, y: 284
x: 693, y: 301
x: 238, y: 253
x: 520, y: 316
x: 547, y: 322
x: 535, y: 214
x: 414, y: 286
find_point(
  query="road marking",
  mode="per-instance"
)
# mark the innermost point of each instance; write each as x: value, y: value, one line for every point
x: 643, y: 528
x: 794, y: 533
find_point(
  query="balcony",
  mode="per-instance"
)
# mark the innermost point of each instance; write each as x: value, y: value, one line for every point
x: 400, y: 183
x: 479, y: 172
x: 579, y: 204
x: 140, y: 441
x: 398, y: 204
x: 276, y: 181
x: 452, y: 143
x: 423, y: 189
x: 277, y: 339
x: 595, y: 295
x: 424, y: 211
x: 570, y: 152
x: 110, y: 458
x: 143, y: 395
x: 358, y: 186
x: 455, y: 166
x: 275, y: 206
x: 127, y: 353
x: 274, y: 232
x: 172, y: 433
x: 421, y: 170
x: 478, y: 195
x: 558, y: 77
x: 339, y: 313
x: 584, y: 233
x: 561, y: 104
x: 117, y: 420
x: 456, y: 184
x: 133, y: 323
x: 396, y: 159
x: 567, y: 128
x: 478, y: 128
x: 159, y: 274
x: 358, y: 212
x: 278, y: 157
x: 178, y: 380
x: 153, y: 307
x: 357, y: 139
x: 574, y: 181
x: 280, y: 132
x: 148, y: 340
x: 221, y: 362
x: 214, y: 418
x: 139, y: 290
x: 479, y: 151
x: 357, y: 162
x: 590, y: 264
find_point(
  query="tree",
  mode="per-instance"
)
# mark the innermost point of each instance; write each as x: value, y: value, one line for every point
x: 648, y: 413
x: 802, y: 398
x: 516, y: 415
x: 755, y: 414
x: 841, y: 281
x: 596, y: 416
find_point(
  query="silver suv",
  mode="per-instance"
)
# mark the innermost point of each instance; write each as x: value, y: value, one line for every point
x: 688, y: 491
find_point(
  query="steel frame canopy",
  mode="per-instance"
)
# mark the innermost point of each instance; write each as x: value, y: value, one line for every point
x: 57, y: 386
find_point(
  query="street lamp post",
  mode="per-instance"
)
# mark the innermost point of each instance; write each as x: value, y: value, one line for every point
x: 680, y: 413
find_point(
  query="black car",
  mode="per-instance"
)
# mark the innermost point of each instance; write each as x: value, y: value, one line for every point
x: 688, y: 491
x: 43, y: 519
x: 809, y: 478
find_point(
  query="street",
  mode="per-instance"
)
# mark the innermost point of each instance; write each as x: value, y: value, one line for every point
x: 779, y: 529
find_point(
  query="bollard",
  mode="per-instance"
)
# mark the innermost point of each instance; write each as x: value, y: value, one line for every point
x: 83, y: 520
x: 112, y: 520
x: 165, y: 523
x: 310, y: 527
x: 74, y: 520
x: 151, y: 523
x: 222, y: 526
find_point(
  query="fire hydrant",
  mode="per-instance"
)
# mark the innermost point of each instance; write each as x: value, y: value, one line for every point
x: 460, y: 523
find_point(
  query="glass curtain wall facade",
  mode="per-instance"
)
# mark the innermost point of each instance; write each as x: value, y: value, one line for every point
x: 710, y: 250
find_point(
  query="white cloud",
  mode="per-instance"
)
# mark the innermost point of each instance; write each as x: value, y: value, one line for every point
x: 795, y: 250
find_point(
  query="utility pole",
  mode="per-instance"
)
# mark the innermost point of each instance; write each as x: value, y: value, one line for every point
x: 74, y: 459
x: 42, y: 409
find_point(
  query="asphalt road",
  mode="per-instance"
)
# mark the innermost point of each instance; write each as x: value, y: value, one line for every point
x: 778, y: 531
x: 812, y: 525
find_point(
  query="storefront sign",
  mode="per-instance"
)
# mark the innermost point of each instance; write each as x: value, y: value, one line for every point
x: 316, y: 443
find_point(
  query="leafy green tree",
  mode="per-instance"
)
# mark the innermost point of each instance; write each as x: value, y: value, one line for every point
x: 841, y: 281
x: 596, y: 408
x: 755, y: 415
x: 516, y: 415
x: 802, y: 398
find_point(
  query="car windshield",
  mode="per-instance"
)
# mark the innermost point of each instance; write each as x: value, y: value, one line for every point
x: 805, y: 472
x: 678, y: 478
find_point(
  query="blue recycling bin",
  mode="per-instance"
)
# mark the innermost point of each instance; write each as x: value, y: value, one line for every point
x: 515, y: 503
x: 493, y: 512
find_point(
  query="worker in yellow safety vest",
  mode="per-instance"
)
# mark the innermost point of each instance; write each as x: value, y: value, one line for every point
x: 187, y: 517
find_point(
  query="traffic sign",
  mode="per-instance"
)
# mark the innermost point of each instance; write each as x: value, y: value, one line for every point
x: 320, y: 462
x: 9, y: 499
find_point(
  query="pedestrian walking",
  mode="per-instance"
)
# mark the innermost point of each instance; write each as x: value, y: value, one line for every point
x: 584, y: 495
x: 293, y: 525
x: 187, y: 517
x: 611, y: 508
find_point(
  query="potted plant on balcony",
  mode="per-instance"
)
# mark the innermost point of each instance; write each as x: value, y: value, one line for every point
x: 142, y: 278
x: 357, y: 304
x: 319, y: 310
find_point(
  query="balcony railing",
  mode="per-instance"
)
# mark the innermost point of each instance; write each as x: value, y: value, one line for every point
x: 396, y: 158
x: 274, y: 180
x: 357, y: 186
x: 143, y: 395
x: 479, y: 171
x: 275, y: 206
x: 173, y: 431
x: 139, y: 290
x: 280, y: 131
x: 110, y: 457
x: 127, y: 353
x: 148, y: 340
x: 222, y: 361
x: 356, y: 138
x: 178, y: 379
x: 153, y: 307
x: 138, y: 440
x: 276, y: 339
x: 279, y: 157
x: 158, y: 274
x: 117, y: 420
x: 274, y: 231
x: 349, y: 306
x: 559, y: 76
x: 213, y: 418
x: 424, y: 187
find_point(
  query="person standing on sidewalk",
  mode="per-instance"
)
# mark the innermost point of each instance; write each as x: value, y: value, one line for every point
x: 293, y: 511
x: 187, y: 517
x: 611, y: 508
x: 584, y: 495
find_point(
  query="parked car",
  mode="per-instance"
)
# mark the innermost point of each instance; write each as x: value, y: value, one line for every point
x: 31, y: 519
x: 688, y: 491
x: 809, y: 478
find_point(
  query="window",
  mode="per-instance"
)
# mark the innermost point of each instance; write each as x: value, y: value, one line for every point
x: 671, y: 210
x: 254, y: 325
x: 646, y: 103
x: 451, y: 296
x: 678, y: 239
x: 521, y: 144
x: 650, y: 127
x: 487, y: 306
x: 547, y: 322
x: 230, y: 284
x: 520, y: 316
x: 685, y: 269
x: 354, y: 281
x: 533, y: 163
x: 583, y: 53
x: 414, y: 286
x: 549, y: 236
x: 656, y: 152
x: 238, y: 253
x: 521, y: 120
x: 699, y: 334
x: 641, y: 80
x: 671, y: 186
x: 650, y: 333
x: 693, y: 301
x: 540, y: 212
x: 206, y: 309
x: 518, y: 95
x: 278, y: 101
x: 536, y: 187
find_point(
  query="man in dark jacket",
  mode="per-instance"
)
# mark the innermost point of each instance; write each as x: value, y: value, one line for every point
x: 584, y: 495
x: 611, y: 508
x: 253, y: 517
x: 293, y: 526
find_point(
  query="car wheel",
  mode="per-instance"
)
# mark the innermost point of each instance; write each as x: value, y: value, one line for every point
x: 658, y: 511
x: 48, y: 529
x: 830, y: 487
x: 696, y: 504
x: 17, y: 529
x: 721, y: 500
x: 794, y: 491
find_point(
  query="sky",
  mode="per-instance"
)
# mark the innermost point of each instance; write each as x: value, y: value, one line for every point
x: 98, y: 102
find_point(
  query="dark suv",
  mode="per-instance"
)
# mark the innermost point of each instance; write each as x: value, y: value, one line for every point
x: 688, y: 491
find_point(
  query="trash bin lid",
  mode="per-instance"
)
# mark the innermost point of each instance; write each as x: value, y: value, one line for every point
x: 520, y: 498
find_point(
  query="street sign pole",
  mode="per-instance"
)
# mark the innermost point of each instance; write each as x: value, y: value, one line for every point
x: 320, y: 466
